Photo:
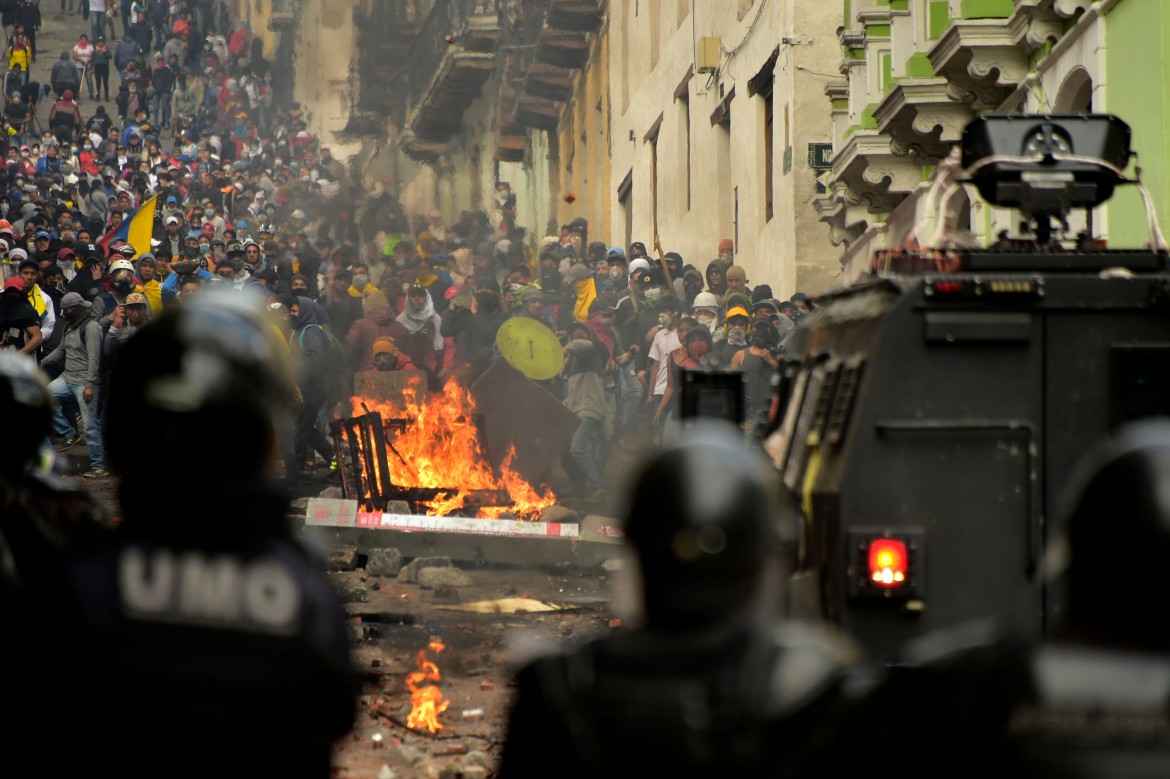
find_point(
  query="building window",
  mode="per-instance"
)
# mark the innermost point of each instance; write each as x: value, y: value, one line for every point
x: 651, y: 138
x: 682, y: 94
x: 762, y: 84
x: 625, y: 193
x: 768, y: 159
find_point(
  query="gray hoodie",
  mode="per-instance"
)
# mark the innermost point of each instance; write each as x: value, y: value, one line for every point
x: 81, y: 357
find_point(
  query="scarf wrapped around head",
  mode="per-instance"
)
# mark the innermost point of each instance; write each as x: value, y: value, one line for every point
x: 415, y: 320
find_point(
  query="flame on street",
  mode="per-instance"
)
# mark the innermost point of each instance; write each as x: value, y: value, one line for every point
x: 426, y: 699
x: 440, y: 447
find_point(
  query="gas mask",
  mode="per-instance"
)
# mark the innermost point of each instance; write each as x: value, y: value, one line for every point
x: 616, y: 273
x: 664, y: 319
x: 124, y: 287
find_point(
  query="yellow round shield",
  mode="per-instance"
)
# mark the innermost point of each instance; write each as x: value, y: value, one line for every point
x: 530, y: 347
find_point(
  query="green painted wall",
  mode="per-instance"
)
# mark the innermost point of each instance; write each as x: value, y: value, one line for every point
x: 918, y: 66
x: 987, y: 9
x: 939, y: 17
x: 1137, y: 68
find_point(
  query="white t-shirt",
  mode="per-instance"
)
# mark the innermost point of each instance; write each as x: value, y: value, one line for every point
x: 84, y: 56
x: 665, y: 342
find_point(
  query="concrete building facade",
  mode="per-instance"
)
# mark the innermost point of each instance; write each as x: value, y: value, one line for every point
x: 718, y: 125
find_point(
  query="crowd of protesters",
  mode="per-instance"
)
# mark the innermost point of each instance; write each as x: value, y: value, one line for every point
x: 245, y: 197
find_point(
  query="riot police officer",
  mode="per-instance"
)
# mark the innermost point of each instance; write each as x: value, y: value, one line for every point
x: 40, y: 515
x: 712, y: 684
x: 1094, y: 699
x: 213, y: 644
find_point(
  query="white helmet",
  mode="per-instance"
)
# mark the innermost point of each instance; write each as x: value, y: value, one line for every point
x: 706, y: 300
x: 118, y: 265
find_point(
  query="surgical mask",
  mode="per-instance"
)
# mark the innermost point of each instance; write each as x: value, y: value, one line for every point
x: 737, y: 336
x: 209, y: 213
x: 204, y: 247
x: 360, y: 281
x: 616, y: 273
x: 653, y: 295
x: 88, y: 147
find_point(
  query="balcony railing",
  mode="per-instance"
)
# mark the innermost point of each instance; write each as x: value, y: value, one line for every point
x: 451, y: 27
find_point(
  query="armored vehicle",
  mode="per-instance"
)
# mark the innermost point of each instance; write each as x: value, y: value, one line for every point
x: 931, y: 415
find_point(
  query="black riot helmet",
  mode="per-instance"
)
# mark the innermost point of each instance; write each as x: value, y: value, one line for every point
x: 1113, y: 546
x: 704, y: 525
x: 28, y: 413
x: 202, y: 384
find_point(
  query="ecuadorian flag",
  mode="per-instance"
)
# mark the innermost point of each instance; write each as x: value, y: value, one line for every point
x: 136, y: 229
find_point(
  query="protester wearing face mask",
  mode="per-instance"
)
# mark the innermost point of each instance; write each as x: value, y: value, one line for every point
x: 736, y: 338
x: 361, y: 287
x: 584, y: 290
x: 664, y: 343
x: 759, y: 366
x: 112, y: 301
x: 706, y: 308
x: 217, y: 223
x: 78, y: 356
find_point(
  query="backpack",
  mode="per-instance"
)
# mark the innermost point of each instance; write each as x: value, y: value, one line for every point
x: 336, y: 364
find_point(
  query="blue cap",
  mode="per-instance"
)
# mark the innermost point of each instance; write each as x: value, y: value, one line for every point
x: 43, y: 234
x: 615, y: 250
x: 172, y: 199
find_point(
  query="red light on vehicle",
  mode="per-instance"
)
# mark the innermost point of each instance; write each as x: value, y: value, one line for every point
x: 948, y: 287
x: 888, y: 562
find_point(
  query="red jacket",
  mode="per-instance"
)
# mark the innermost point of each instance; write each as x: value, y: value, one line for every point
x: 362, y: 334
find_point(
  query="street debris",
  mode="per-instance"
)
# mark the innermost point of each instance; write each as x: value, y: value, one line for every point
x: 505, y: 606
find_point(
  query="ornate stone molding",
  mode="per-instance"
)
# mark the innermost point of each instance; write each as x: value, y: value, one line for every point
x: 871, y: 173
x: 1068, y: 8
x: 846, y: 222
x: 1034, y: 27
x: 982, y: 61
x: 921, y: 119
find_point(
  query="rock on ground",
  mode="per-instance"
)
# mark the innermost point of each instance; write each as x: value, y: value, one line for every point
x: 460, y: 770
x: 352, y: 593
x: 441, y: 578
x: 409, y: 572
x: 386, y: 561
x: 342, y: 558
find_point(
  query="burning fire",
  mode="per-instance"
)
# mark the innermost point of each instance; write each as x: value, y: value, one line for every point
x: 426, y: 699
x: 440, y: 448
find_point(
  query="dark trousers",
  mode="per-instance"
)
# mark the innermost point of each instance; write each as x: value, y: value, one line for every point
x: 101, y: 74
x: 305, y: 432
